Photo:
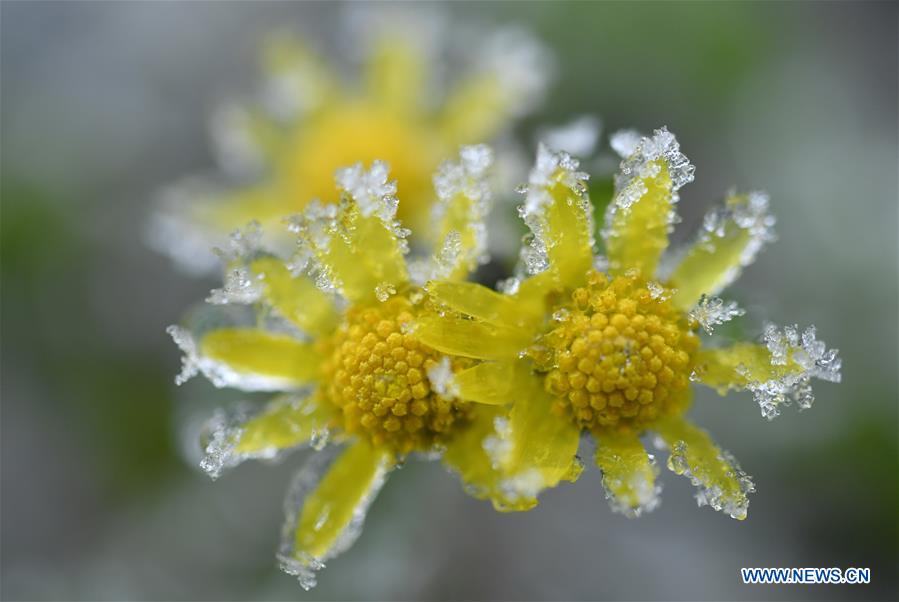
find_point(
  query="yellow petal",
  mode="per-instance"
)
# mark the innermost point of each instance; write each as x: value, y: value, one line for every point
x: 534, y: 449
x: 470, y: 338
x: 482, y: 303
x: 720, y: 482
x: 489, y: 382
x: 286, y: 422
x: 395, y: 75
x: 325, y: 512
x: 255, y: 352
x: 736, y: 366
x: 463, y: 198
x: 476, y: 109
x: 628, y: 472
x: 465, y: 455
x: 296, y: 298
x: 357, y: 244
x: 730, y: 239
x: 558, y: 212
x: 642, y: 212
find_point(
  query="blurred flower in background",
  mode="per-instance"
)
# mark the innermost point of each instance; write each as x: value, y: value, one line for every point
x: 102, y: 102
x: 387, y: 97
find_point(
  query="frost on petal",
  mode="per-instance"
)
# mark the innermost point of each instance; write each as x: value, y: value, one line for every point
x: 370, y: 188
x: 326, y: 507
x: 235, y: 140
x: 241, y: 286
x: 712, y: 311
x: 578, y: 137
x: 628, y: 474
x: 521, y: 65
x: 795, y: 360
x: 625, y: 142
x: 558, y: 212
x: 442, y: 379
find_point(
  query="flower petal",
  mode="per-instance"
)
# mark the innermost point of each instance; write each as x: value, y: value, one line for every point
x: 357, y: 247
x: 465, y: 455
x: 470, y: 338
x: 296, y: 298
x: 286, y: 422
x: 534, y: 448
x: 325, y: 513
x: 395, y: 75
x: 558, y: 212
x: 628, y: 472
x: 730, y: 239
x: 298, y: 81
x: 482, y: 303
x: 720, y: 481
x: 641, y: 215
x: 252, y: 351
x: 488, y: 383
x: 463, y: 201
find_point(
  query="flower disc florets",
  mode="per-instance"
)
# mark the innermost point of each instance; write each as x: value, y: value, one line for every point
x: 621, y: 354
x: 385, y: 381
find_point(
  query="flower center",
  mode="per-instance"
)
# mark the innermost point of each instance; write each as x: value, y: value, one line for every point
x: 620, y: 353
x: 381, y: 378
x: 357, y: 132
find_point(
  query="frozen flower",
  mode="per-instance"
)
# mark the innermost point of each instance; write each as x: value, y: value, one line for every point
x: 608, y: 346
x: 332, y: 331
x: 391, y: 102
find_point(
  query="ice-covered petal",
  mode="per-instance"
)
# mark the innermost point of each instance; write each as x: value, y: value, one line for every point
x: 286, y: 422
x: 460, y: 213
x: 465, y: 454
x: 326, y: 506
x: 395, y: 74
x: 718, y: 478
x: 247, y: 358
x: 558, y: 212
x: 296, y: 298
x: 534, y: 448
x: 244, y: 139
x: 577, y: 137
x: 730, y: 238
x: 777, y: 372
x: 297, y: 81
x: 642, y: 212
x: 357, y: 247
x: 628, y: 472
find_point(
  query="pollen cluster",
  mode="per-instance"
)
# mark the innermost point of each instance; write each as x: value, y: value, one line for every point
x: 620, y: 354
x: 378, y: 374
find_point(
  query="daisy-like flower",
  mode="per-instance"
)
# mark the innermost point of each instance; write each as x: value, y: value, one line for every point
x: 331, y: 330
x: 609, y: 346
x: 279, y: 153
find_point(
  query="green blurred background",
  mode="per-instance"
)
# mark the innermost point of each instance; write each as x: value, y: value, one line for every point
x: 102, y: 103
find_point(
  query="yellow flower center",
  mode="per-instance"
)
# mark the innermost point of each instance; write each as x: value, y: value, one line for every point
x: 380, y: 377
x: 620, y: 354
x: 357, y: 132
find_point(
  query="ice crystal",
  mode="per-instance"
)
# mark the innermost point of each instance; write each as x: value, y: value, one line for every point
x: 712, y: 311
x: 302, y: 565
x: 794, y: 386
x: 625, y: 142
x: 384, y: 291
x: 550, y: 169
x: 441, y: 378
x: 219, y: 374
x: 371, y: 190
x: 240, y: 286
x: 735, y: 506
x: 579, y: 137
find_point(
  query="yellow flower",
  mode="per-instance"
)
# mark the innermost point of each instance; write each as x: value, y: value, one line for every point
x: 282, y: 151
x: 332, y: 330
x: 609, y: 345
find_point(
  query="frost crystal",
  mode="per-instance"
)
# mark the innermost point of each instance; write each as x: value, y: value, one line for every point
x: 302, y: 565
x: 707, y: 494
x: 625, y: 142
x: 578, y: 137
x: 241, y: 286
x: 384, y: 291
x: 520, y: 64
x: 442, y: 381
x: 813, y: 359
x: 370, y: 189
x: 219, y: 374
x: 712, y: 311
x: 551, y: 169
